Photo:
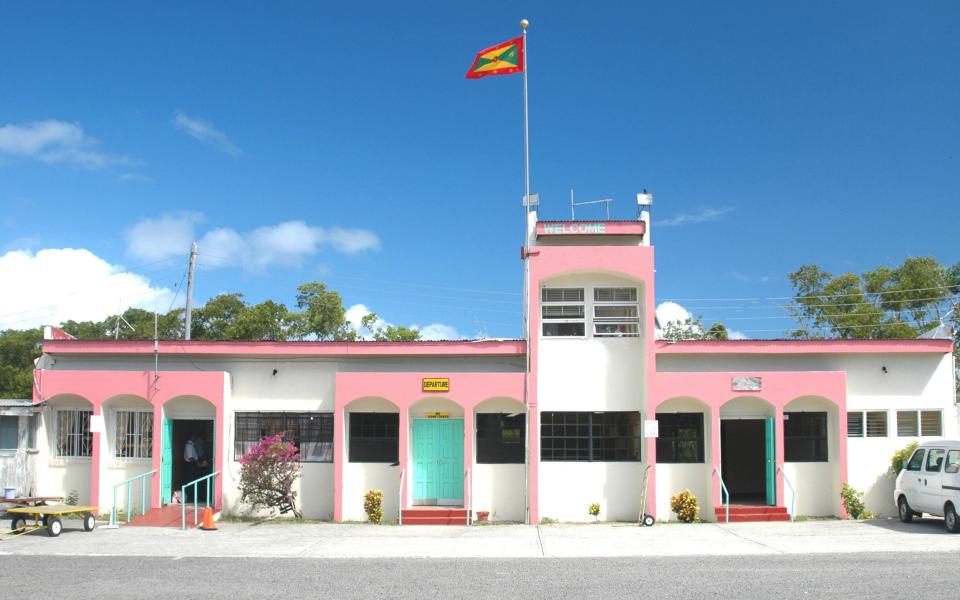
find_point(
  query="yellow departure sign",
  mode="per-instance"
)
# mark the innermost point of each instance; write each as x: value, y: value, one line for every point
x: 436, y: 384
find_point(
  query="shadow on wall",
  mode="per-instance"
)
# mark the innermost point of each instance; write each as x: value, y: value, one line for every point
x: 878, y: 498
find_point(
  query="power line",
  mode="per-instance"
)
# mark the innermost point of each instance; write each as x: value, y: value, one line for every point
x: 827, y: 296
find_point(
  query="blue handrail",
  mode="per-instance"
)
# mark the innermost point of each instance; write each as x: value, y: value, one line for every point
x: 129, y: 484
x: 183, y: 498
x: 726, y: 494
x: 793, y: 493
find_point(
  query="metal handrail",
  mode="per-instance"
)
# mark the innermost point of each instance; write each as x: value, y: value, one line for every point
x: 183, y: 498
x: 726, y: 493
x: 793, y: 493
x: 400, y: 498
x: 129, y: 484
x: 469, y: 498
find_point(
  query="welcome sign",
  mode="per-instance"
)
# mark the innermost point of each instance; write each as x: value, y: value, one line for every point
x: 574, y: 228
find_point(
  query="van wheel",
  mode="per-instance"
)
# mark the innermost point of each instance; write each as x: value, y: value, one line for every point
x: 950, y: 519
x: 906, y: 513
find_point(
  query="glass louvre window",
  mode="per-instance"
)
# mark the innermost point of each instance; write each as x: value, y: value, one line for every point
x: 590, y: 436
x: 562, y: 312
x: 855, y: 424
x: 877, y: 423
x: 500, y: 438
x: 805, y: 436
x: 374, y: 437
x: 8, y: 432
x: 311, y: 433
x: 925, y: 423
x: 73, y: 433
x: 931, y: 423
x: 680, y: 438
x: 616, y: 312
x: 134, y: 434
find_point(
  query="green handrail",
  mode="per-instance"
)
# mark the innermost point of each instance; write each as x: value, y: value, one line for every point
x: 183, y: 498
x: 726, y: 493
x: 129, y: 484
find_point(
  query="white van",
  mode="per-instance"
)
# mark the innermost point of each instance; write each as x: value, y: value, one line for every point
x: 930, y: 483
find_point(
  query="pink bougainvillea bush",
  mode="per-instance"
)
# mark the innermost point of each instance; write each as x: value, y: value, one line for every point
x: 267, y: 474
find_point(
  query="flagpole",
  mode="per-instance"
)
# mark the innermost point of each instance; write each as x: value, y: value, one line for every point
x: 526, y: 273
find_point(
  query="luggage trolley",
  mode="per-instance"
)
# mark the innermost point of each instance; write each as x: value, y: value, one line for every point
x: 49, y: 517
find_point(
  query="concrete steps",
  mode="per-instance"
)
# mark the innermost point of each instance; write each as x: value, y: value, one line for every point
x: 746, y: 513
x: 434, y: 516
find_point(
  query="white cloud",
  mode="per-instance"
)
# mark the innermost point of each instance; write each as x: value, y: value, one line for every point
x: 286, y: 243
x: 671, y: 312
x: 707, y: 214
x: 433, y: 331
x: 205, y: 132
x: 53, y: 141
x: 58, y: 284
x: 162, y: 238
x: 733, y: 334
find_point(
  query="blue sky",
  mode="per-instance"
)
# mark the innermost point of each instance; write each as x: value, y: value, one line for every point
x: 771, y: 134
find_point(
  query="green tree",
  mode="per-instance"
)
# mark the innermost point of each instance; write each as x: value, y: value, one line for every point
x: 388, y: 333
x: 18, y: 349
x: 692, y: 329
x: 322, y: 314
x: 900, y: 302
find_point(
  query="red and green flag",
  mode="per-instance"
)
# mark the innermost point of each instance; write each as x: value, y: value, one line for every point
x: 501, y: 59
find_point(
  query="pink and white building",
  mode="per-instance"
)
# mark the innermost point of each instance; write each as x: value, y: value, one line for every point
x: 521, y: 430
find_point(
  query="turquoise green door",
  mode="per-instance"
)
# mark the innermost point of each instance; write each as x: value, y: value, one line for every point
x: 438, y: 462
x: 771, y: 464
x: 166, y: 461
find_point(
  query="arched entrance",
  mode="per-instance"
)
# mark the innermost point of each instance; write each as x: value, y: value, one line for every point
x: 437, y: 443
x: 747, y: 450
x: 188, y: 435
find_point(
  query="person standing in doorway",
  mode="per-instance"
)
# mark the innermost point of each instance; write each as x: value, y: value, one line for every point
x: 190, y: 459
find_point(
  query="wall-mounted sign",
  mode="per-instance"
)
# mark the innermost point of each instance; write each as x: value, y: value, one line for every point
x: 436, y: 384
x: 438, y: 415
x: 574, y: 228
x: 651, y: 428
x: 747, y: 384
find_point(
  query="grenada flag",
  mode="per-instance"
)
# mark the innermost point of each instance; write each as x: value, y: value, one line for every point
x: 501, y: 59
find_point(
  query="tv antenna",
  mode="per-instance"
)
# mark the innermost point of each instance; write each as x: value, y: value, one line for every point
x: 574, y: 204
x: 121, y: 320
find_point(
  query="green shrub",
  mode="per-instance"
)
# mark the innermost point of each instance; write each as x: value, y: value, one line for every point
x: 901, y: 456
x: 853, y: 502
x: 686, y: 506
x: 548, y: 521
x: 594, y: 510
x: 373, y: 505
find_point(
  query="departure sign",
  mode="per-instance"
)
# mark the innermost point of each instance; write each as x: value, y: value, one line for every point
x: 436, y: 384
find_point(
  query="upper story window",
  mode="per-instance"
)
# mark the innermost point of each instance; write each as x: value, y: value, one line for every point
x: 614, y: 312
x: 562, y: 312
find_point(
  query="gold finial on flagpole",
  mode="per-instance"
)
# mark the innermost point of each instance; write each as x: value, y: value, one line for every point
x: 524, y: 24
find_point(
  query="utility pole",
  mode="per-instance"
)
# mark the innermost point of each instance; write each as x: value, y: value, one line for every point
x: 190, y: 270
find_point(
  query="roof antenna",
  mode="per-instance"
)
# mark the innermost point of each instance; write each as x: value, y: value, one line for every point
x: 120, y: 319
x: 156, y: 343
x: 574, y: 204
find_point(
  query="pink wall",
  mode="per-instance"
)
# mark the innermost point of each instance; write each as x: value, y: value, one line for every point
x: 778, y: 389
x: 98, y: 387
x: 404, y: 390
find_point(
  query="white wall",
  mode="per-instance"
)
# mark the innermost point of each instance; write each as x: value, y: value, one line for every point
x: 676, y: 477
x: 568, y: 488
x: 358, y: 478
x: 498, y: 489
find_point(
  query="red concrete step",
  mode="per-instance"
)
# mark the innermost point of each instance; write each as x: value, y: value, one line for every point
x: 769, y: 518
x: 743, y: 509
x: 435, y: 516
x: 747, y: 513
x: 166, y: 516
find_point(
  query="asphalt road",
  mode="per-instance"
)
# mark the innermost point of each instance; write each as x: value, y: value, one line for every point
x: 881, y: 575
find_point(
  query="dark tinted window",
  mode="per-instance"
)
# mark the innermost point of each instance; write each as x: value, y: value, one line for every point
x: 680, y: 438
x: 500, y: 438
x: 589, y: 436
x: 374, y: 437
x: 805, y: 436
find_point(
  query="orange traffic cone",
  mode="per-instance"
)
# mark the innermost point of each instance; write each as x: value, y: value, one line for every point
x: 207, y: 524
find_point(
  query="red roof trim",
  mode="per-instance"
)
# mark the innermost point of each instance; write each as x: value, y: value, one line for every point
x: 803, y: 346
x: 420, y: 348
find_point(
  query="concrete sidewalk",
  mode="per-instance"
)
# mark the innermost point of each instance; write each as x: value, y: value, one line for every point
x: 502, y: 541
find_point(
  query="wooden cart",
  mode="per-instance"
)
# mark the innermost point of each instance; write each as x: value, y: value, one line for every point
x: 49, y: 517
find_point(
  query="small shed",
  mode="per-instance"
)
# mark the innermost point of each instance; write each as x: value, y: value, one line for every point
x: 18, y: 443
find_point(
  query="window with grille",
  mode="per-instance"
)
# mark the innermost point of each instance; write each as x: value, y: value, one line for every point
x: 805, y: 436
x: 923, y: 423
x: 500, y: 438
x: 310, y: 432
x: 562, y: 312
x: 73, y: 436
x: 374, y: 437
x: 616, y: 312
x: 134, y: 434
x: 590, y: 436
x: 680, y: 438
